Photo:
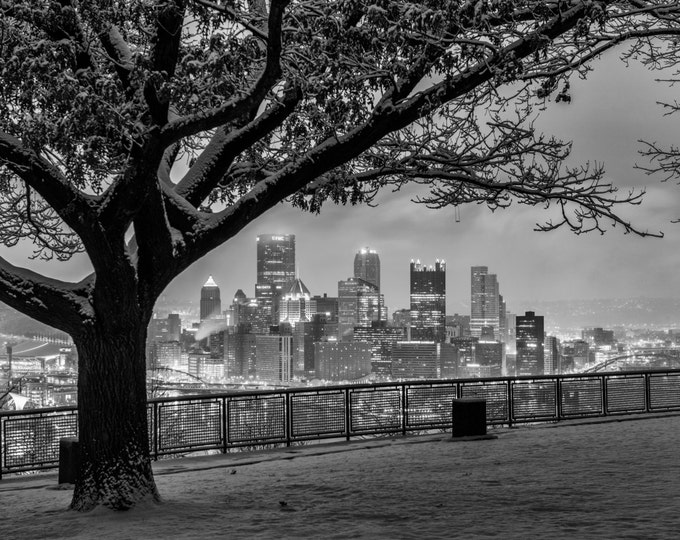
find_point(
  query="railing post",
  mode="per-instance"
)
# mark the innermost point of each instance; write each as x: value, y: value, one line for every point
x: 605, y: 404
x: 2, y: 447
x: 156, y: 430
x: 511, y: 408
x: 558, y: 397
x: 404, y: 408
x: 225, y: 412
x: 289, y: 420
x: 348, y: 415
x: 648, y: 392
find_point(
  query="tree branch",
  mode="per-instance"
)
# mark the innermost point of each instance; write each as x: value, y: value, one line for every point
x: 75, y: 208
x: 214, y: 161
x: 57, y: 303
x: 244, y: 106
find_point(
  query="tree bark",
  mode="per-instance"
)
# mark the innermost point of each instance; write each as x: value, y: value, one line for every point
x: 115, y: 467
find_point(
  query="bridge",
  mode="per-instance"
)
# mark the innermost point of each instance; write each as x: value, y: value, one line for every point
x: 641, y: 358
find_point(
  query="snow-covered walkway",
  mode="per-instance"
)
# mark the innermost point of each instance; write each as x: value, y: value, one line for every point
x: 612, y: 479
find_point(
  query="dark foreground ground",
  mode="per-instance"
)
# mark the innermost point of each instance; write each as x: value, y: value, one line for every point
x: 618, y: 478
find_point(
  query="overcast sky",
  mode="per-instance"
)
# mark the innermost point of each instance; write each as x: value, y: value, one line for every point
x: 609, y: 112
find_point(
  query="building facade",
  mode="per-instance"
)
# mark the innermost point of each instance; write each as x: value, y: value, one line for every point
x: 342, y: 360
x: 485, y: 308
x: 530, y: 344
x: 358, y: 305
x: 367, y: 266
x: 274, y: 358
x: 296, y: 304
x: 415, y: 360
x: 210, y: 305
x: 428, y: 301
x: 275, y: 270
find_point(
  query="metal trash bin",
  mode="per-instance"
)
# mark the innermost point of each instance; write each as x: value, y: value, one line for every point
x: 468, y: 417
x: 69, y: 460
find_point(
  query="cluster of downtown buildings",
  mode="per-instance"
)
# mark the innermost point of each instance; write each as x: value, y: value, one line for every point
x: 285, y: 334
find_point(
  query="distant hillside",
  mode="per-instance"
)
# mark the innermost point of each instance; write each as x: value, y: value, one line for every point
x: 12, y: 322
x: 606, y: 313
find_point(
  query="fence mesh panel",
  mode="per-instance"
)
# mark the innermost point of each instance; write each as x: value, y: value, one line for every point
x: 33, y: 442
x: 317, y: 414
x: 429, y: 406
x: 375, y: 410
x: 254, y: 419
x: 496, y: 396
x: 625, y: 393
x: 30, y: 439
x: 185, y: 425
x: 534, y: 399
x: 664, y: 391
x: 581, y: 397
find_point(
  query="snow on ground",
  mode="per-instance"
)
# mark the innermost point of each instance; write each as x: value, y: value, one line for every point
x: 614, y: 479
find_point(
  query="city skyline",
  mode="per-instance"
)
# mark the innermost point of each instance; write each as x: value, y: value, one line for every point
x: 607, y: 116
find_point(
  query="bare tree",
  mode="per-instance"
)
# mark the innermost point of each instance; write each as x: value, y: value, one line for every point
x: 663, y: 158
x: 178, y: 122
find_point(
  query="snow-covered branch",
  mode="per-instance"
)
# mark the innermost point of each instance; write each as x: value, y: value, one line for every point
x: 60, y: 304
x: 73, y: 207
x: 240, y: 108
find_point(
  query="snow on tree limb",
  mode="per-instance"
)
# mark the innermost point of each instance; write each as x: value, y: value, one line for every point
x: 58, y: 303
x: 239, y: 107
x: 71, y: 205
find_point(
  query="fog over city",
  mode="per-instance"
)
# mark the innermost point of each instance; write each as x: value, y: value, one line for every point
x: 609, y: 113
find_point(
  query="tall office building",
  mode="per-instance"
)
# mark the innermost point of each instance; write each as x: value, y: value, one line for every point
x: 530, y: 344
x: 358, y: 305
x: 485, y: 302
x: 276, y: 258
x: 428, y: 301
x: 381, y: 339
x: 274, y: 358
x: 211, y: 306
x: 275, y: 270
x: 367, y: 266
x: 552, y: 355
x: 296, y: 304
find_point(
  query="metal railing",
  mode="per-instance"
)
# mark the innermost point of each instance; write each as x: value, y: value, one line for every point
x: 29, y: 440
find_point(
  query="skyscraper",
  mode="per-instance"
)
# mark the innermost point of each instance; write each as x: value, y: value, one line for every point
x: 211, y: 306
x: 275, y: 269
x: 530, y: 344
x: 485, y: 302
x: 428, y: 301
x: 367, y: 266
x: 358, y: 305
x: 296, y: 304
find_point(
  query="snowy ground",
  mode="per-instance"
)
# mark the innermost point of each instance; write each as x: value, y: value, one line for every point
x: 615, y: 479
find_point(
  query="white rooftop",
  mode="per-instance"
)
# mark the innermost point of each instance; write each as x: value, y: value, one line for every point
x: 210, y: 282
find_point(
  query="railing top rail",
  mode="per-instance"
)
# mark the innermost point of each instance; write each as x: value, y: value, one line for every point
x: 42, y: 410
x: 409, y: 382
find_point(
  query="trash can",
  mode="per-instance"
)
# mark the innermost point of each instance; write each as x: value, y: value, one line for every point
x: 468, y: 417
x: 69, y: 460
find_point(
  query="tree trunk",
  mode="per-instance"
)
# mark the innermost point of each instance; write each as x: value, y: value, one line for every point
x: 115, y: 469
